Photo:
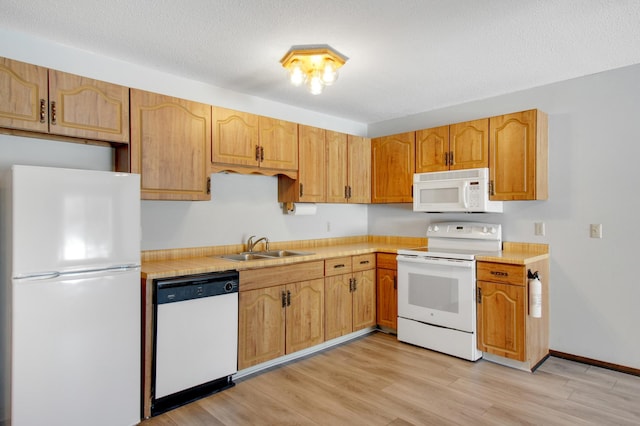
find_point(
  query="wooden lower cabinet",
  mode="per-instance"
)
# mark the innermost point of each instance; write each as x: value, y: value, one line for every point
x: 278, y: 319
x: 505, y: 326
x: 387, y: 291
x: 350, y: 297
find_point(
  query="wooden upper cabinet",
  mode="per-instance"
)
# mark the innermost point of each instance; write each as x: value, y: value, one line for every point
x: 519, y: 156
x: 278, y: 142
x: 49, y: 101
x: 310, y: 186
x: 337, y: 167
x: 432, y: 149
x: 170, y: 142
x: 235, y: 137
x: 469, y: 145
x: 85, y: 108
x: 458, y: 146
x: 348, y: 168
x: 23, y: 96
x: 250, y: 140
x: 392, y: 168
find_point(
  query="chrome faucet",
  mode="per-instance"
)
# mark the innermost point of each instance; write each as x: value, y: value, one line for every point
x: 251, y: 244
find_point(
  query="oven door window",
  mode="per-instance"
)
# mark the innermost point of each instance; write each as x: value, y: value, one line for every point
x: 441, y: 294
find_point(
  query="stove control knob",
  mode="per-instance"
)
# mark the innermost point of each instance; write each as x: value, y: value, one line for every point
x: 485, y: 229
x: 493, y: 230
x: 430, y: 228
x: 436, y: 228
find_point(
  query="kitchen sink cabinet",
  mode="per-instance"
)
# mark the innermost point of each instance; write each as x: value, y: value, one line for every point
x: 310, y: 185
x: 458, y: 146
x: 170, y: 143
x: 246, y: 142
x: 348, y: 168
x: 504, y: 323
x: 280, y: 311
x: 518, y: 147
x: 387, y: 291
x: 48, y: 101
x: 392, y: 168
x: 350, y: 294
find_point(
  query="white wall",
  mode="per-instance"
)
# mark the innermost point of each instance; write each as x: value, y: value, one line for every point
x: 594, y: 147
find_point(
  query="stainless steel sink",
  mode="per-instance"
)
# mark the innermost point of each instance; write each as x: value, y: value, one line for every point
x: 263, y: 255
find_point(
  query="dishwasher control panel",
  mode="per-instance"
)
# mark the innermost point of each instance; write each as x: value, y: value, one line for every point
x: 190, y: 287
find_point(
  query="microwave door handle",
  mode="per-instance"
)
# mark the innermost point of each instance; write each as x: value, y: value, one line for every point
x: 465, y: 195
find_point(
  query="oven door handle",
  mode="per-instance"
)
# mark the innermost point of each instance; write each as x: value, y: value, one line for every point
x: 436, y: 261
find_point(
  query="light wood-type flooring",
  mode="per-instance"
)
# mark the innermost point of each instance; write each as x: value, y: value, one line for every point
x: 376, y: 380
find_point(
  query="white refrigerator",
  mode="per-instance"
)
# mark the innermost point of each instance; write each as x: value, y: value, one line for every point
x: 71, y: 243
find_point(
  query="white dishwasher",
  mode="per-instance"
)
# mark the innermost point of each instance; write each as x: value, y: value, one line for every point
x: 195, y: 349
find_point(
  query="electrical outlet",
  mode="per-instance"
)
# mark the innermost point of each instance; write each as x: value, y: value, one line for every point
x: 328, y: 226
x: 596, y: 230
x: 539, y: 228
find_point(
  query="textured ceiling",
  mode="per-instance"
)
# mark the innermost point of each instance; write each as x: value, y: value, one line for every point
x: 406, y: 56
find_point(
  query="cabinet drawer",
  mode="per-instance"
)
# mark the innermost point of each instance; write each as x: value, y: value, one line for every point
x: 363, y: 262
x: 337, y: 266
x: 501, y: 273
x: 252, y: 279
x: 386, y: 261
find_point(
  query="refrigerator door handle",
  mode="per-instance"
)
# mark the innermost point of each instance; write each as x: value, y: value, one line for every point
x: 38, y: 276
x: 56, y: 274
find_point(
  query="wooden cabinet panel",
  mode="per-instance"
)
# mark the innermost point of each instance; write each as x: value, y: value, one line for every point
x: 24, y: 96
x: 235, y: 137
x: 310, y: 186
x: 86, y: 108
x: 387, y: 298
x: 261, y: 326
x: 278, y: 142
x: 359, y: 169
x: 170, y: 142
x: 501, y: 273
x: 362, y: 262
x: 364, y: 299
x: 337, y: 167
x: 432, y: 149
x: 338, y: 307
x: 305, y: 309
x: 392, y: 168
x: 469, y: 145
x: 501, y: 320
x: 519, y: 156
x: 337, y: 266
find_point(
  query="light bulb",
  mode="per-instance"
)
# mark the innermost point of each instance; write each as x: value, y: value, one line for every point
x: 315, y: 83
x: 296, y: 75
x: 329, y: 74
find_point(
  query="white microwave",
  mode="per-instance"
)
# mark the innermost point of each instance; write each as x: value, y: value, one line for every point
x: 454, y: 191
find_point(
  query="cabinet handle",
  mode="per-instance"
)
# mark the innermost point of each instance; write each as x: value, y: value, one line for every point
x: 208, y: 185
x: 346, y: 191
x: 355, y: 285
x: 53, y: 113
x: 479, y: 295
x: 492, y: 189
x: 395, y: 282
x: 364, y: 262
x: 446, y: 158
x: 288, y: 298
x: 261, y: 153
x: 339, y: 265
x: 257, y: 153
x: 451, y: 158
x: 500, y: 273
x: 43, y: 110
x: 284, y: 299
x: 349, y: 191
x: 350, y: 285
x: 301, y: 190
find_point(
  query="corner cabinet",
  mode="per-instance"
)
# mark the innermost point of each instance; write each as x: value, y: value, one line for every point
x: 348, y: 168
x: 505, y: 327
x: 170, y: 143
x: 280, y: 311
x: 310, y: 186
x: 387, y: 291
x: 392, y: 168
x: 518, y: 148
x: 42, y: 100
x: 455, y: 147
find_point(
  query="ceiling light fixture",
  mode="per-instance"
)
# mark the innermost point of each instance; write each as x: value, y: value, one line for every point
x: 315, y: 65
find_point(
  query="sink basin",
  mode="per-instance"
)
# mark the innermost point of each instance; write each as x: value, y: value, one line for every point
x: 282, y: 253
x: 263, y: 255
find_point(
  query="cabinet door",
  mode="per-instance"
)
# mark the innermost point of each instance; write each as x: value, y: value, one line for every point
x: 235, y: 137
x: 364, y: 299
x: 86, y: 108
x: 387, y: 298
x: 261, y: 326
x: 518, y: 149
x: 23, y: 96
x: 338, y: 309
x: 501, y: 316
x: 305, y: 320
x: 359, y: 169
x: 170, y: 142
x: 278, y: 144
x: 432, y: 149
x: 392, y: 168
x: 469, y: 145
x: 337, y: 172
x: 312, y: 171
